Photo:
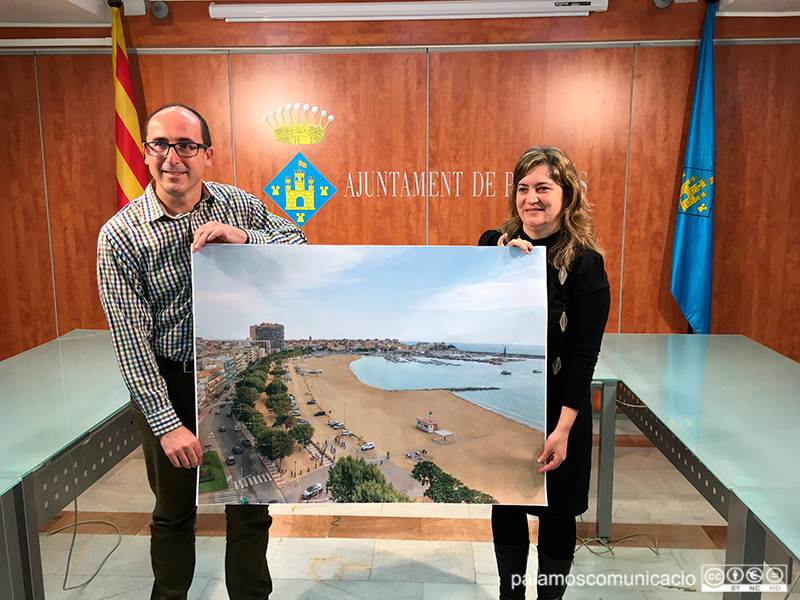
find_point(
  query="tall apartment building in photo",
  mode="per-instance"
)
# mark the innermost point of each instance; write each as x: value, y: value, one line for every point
x: 269, y: 336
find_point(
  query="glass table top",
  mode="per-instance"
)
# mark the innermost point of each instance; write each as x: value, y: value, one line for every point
x: 603, y: 371
x: 54, y: 394
x: 776, y: 508
x: 733, y: 402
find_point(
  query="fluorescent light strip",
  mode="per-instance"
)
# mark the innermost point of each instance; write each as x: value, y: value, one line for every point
x: 56, y: 43
x: 404, y: 11
x: 399, y: 18
x: 734, y: 13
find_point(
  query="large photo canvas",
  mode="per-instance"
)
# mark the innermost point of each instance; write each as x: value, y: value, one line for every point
x: 350, y: 374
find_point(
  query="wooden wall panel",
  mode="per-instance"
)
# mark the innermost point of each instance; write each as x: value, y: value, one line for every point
x: 756, y: 288
x: 662, y: 97
x: 201, y: 82
x: 28, y: 315
x: 77, y: 103
x: 577, y: 99
x: 488, y: 108
x: 189, y: 25
x: 757, y: 245
x: 378, y: 102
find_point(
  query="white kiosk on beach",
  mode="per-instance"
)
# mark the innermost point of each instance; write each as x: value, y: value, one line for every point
x: 427, y: 425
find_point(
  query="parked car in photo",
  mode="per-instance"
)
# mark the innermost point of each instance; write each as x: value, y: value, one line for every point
x: 347, y: 432
x: 303, y: 421
x: 312, y: 491
x: 339, y: 426
x: 295, y: 413
x: 312, y: 401
x: 308, y: 393
x: 368, y: 446
x: 218, y: 411
x: 320, y: 413
x: 236, y: 449
x: 237, y: 428
x: 332, y: 422
x: 223, y: 428
x: 231, y: 460
x: 246, y: 443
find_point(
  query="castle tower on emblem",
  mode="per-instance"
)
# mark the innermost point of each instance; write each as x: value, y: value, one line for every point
x: 300, y: 191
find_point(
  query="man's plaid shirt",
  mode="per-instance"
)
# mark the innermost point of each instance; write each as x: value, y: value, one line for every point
x: 145, y: 280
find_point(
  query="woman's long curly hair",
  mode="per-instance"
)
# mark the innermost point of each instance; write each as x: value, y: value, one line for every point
x: 577, y: 225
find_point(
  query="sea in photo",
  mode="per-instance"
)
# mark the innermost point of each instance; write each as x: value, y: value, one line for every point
x: 514, y: 388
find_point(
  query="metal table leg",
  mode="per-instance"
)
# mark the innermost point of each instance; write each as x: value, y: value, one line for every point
x: 605, y: 466
x: 745, y: 543
x: 20, y: 558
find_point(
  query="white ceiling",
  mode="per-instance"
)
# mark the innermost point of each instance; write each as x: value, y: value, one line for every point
x: 54, y: 11
x: 96, y: 12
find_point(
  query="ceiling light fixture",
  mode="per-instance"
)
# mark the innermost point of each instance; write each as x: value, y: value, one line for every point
x: 412, y: 10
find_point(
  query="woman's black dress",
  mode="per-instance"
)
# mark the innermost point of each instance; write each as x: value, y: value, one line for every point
x: 585, y: 298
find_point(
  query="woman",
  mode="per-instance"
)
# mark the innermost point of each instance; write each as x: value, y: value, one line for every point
x: 548, y: 208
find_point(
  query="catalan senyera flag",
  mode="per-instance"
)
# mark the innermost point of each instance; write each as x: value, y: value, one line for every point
x: 692, y: 245
x: 131, y: 172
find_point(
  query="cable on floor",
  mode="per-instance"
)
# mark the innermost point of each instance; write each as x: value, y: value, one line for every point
x: 609, y: 544
x: 74, y: 527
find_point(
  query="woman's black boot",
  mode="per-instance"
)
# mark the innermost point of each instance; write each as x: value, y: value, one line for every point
x: 551, y: 581
x: 512, y: 562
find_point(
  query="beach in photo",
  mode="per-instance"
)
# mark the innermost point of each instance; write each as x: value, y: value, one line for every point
x: 488, y: 452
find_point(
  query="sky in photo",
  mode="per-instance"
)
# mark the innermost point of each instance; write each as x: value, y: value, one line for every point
x: 411, y: 293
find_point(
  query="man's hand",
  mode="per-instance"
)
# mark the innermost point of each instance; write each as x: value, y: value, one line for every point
x: 217, y: 232
x: 182, y: 448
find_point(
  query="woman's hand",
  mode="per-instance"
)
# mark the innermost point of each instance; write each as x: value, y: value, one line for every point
x: 555, y: 448
x: 525, y: 245
x: 555, y: 451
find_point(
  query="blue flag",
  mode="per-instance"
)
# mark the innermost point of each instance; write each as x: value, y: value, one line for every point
x: 692, y: 246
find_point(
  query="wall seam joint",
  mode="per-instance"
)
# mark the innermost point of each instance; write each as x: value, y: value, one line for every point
x: 46, y: 198
x: 625, y: 196
x: 427, y: 141
x: 230, y: 103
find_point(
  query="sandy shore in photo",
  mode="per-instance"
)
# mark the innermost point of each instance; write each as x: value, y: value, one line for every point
x: 492, y: 453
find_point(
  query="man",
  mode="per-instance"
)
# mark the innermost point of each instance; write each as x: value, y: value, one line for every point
x: 144, y: 276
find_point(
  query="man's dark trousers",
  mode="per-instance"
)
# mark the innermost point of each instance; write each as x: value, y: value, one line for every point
x: 172, y: 529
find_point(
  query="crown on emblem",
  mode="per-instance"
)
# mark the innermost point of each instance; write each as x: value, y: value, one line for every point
x: 304, y: 125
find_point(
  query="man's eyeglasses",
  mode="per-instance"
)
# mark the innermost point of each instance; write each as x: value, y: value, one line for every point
x: 183, y: 149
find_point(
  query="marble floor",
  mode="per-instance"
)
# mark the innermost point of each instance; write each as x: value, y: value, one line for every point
x: 392, y: 551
